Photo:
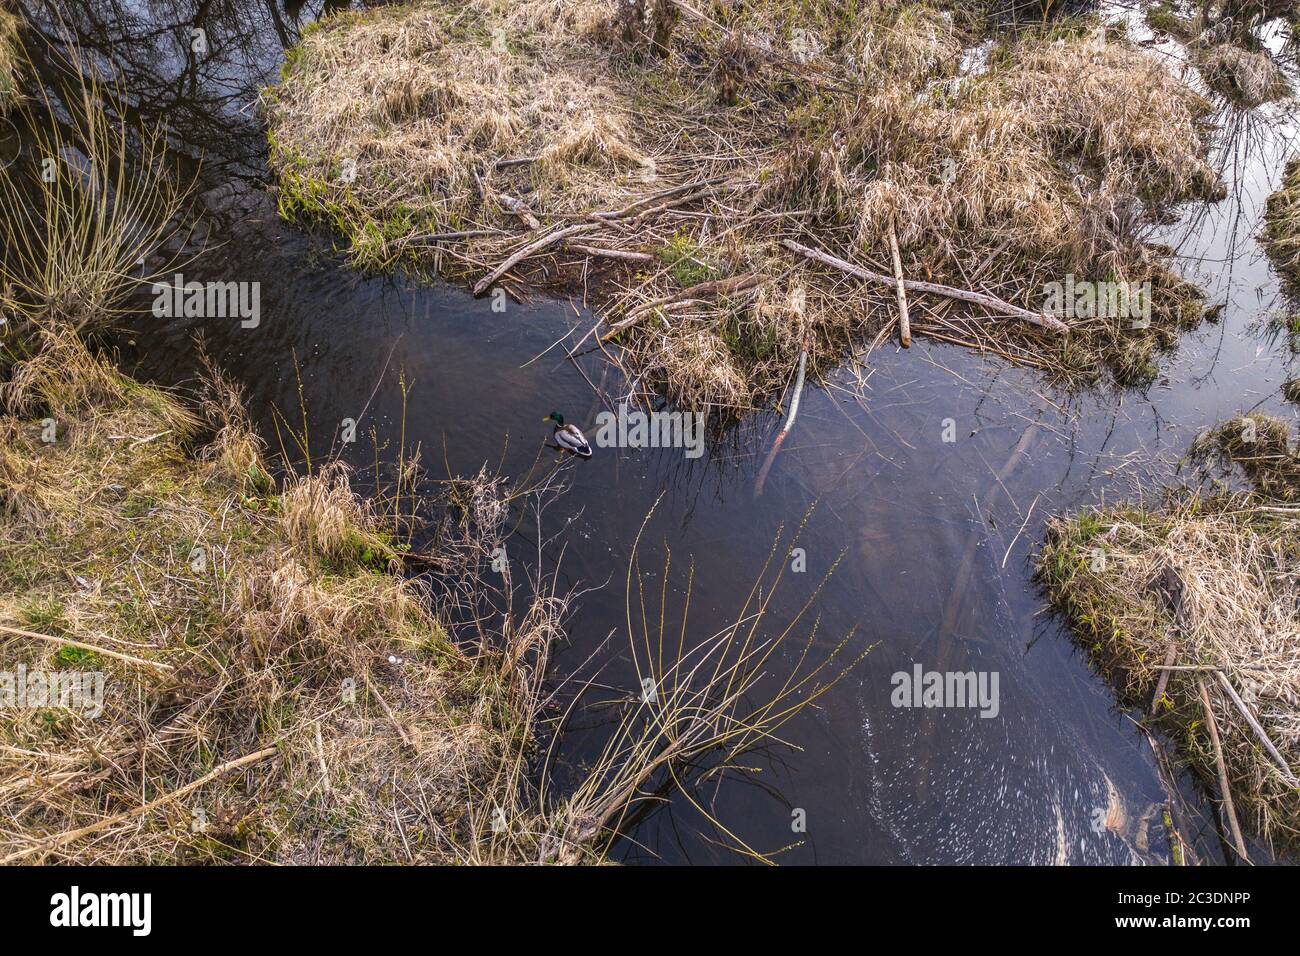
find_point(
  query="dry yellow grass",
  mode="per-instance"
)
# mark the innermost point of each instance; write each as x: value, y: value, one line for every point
x: 449, y: 137
x: 421, y: 103
x: 10, y: 57
x: 276, y: 687
x: 1230, y: 558
x: 263, y: 622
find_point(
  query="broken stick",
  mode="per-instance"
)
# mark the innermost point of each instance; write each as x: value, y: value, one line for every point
x: 62, y: 839
x: 81, y: 645
x: 611, y: 253
x: 1170, y: 588
x: 663, y: 194
x: 904, y: 323
x: 520, y: 209
x: 992, y: 302
x: 703, y: 290
x: 537, y: 245
x: 1228, y: 808
x: 1256, y: 726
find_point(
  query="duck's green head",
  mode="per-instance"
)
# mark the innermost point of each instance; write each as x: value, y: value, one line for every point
x: 555, y: 417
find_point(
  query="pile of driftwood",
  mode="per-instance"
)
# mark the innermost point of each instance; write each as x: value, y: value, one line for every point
x: 625, y: 224
x: 623, y: 237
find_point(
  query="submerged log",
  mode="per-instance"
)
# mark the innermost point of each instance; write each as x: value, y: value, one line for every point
x: 797, y: 394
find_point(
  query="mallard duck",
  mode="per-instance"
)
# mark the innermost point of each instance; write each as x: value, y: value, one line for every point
x: 569, y: 437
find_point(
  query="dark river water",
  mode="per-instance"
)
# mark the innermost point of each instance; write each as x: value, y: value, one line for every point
x: 937, y: 537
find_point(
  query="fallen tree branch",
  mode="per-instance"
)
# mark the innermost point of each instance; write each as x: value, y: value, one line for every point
x: 1229, y: 809
x: 612, y: 253
x: 69, y: 642
x: 449, y: 236
x: 965, y: 295
x: 520, y: 209
x: 1255, y: 726
x: 51, y: 843
x: 664, y: 194
x: 1170, y: 587
x: 1171, y: 655
x: 699, y: 292
x: 904, y: 322
x: 388, y: 711
x: 537, y: 245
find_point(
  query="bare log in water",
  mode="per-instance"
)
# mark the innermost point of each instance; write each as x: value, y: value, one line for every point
x: 785, y: 429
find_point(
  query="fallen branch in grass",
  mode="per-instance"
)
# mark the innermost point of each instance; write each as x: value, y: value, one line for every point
x: 701, y: 291
x: 450, y: 236
x: 612, y: 253
x: 1170, y: 589
x: 1223, y: 771
x: 1171, y: 655
x: 388, y: 711
x: 904, y: 322
x: 69, y: 642
x: 1205, y: 667
x: 62, y: 839
x: 1255, y: 726
x: 520, y: 209
x: 537, y: 245
x: 965, y: 295
x: 632, y: 209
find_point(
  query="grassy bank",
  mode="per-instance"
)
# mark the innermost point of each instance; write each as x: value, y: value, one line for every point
x: 663, y: 166
x: 1203, y: 581
x: 145, y: 542
x: 1223, y: 44
x: 1281, y: 235
x: 257, y: 665
x: 276, y: 684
